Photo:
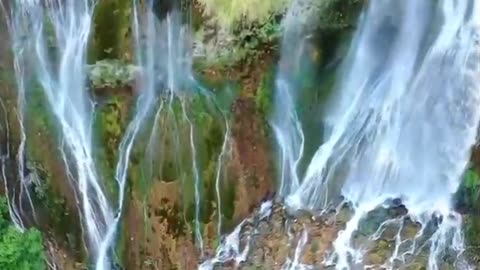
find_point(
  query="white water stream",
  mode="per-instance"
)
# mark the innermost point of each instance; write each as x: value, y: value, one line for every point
x: 404, y: 118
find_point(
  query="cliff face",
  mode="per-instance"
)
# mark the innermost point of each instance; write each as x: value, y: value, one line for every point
x: 162, y: 220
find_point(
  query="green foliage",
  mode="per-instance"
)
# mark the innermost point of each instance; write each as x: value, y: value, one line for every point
x: 22, y: 251
x: 109, y: 124
x: 58, y: 213
x: 40, y: 114
x: 469, y: 188
x: 111, y: 120
x: 3, y: 213
x: 241, y: 39
x: 471, y: 180
x: 19, y: 251
x: 112, y: 22
x: 264, y: 95
x: 337, y: 14
x: 252, y: 39
x: 467, y: 195
x: 111, y: 73
x: 229, y: 12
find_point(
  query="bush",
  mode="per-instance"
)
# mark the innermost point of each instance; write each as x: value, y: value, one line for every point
x: 19, y: 251
x: 229, y: 12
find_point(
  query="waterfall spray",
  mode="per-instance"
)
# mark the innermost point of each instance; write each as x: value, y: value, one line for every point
x: 405, y: 119
x: 285, y: 123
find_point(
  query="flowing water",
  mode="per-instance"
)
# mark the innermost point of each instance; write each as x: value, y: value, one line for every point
x: 401, y: 125
x: 163, y: 50
x: 159, y: 47
x: 50, y: 45
x: 397, y: 132
x: 50, y: 41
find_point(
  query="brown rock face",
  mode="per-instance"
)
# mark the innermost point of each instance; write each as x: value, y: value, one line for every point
x: 251, y: 158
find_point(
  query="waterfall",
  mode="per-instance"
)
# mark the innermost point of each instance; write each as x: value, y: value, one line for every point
x: 163, y: 56
x: 402, y: 123
x: 169, y: 88
x: 37, y: 27
x: 49, y: 42
x: 17, y: 211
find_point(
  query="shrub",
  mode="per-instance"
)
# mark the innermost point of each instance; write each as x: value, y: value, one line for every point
x: 19, y: 251
x: 229, y: 12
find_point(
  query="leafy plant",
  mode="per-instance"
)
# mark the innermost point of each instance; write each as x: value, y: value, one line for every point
x: 229, y: 12
x: 22, y: 251
x: 468, y: 193
x: 242, y: 35
x: 3, y: 213
x: 251, y: 37
x: 19, y: 251
x: 471, y: 180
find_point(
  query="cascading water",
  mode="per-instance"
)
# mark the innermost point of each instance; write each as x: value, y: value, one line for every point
x: 58, y: 64
x: 403, y: 122
x: 13, y: 210
x: 17, y: 212
x: 149, y: 35
x: 162, y: 55
x: 167, y: 83
x: 285, y: 121
x: 61, y: 74
x: 396, y: 135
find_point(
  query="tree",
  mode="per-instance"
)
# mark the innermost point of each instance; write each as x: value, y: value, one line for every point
x: 19, y: 251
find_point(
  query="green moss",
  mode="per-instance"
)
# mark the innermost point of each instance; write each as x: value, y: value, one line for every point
x: 122, y: 244
x: 111, y: 29
x: 228, y: 200
x: 110, y: 123
x: 264, y: 95
x: 175, y: 158
x: 472, y: 236
x: 467, y: 195
x: 37, y: 111
x: 209, y: 198
x: 61, y: 220
x: 338, y: 14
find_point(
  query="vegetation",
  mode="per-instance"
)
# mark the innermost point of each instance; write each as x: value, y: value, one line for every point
x: 229, y: 12
x: 469, y: 190
x: 112, y: 28
x: 252, y: 40
x: 264, y: 95
x: 111, y: 73
x: 19, y: 251
x: 243, y: 36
